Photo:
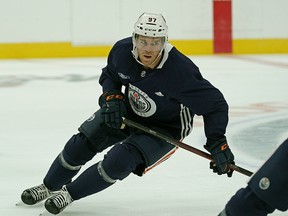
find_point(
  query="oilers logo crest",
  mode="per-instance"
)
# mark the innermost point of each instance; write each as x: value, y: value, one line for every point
x: 140, y: 102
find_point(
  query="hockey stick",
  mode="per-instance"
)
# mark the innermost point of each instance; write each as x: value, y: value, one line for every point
x: 182, y: 145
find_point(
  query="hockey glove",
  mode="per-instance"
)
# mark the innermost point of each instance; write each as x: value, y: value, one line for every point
x: 112, y: 108
x: 222, y: 157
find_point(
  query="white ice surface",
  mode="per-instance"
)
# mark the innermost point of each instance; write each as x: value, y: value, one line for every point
x: 43, y: 101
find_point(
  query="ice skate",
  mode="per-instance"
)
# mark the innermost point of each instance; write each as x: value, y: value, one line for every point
x: 58, y: 201
x: 35, y: 194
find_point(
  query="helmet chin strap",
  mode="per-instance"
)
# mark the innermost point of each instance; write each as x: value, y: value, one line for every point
x: 158, y: 56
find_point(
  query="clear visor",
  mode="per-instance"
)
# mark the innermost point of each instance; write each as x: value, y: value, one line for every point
x: 150, y: 43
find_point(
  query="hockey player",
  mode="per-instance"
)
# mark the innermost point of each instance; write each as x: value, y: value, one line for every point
x: 266, y: 191
x: 163, y: 90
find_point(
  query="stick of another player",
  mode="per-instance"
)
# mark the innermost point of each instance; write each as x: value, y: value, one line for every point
x: 182, y: 145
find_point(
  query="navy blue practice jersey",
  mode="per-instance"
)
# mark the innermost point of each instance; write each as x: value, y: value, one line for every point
x: 168, y: 96
x: 269, y: 183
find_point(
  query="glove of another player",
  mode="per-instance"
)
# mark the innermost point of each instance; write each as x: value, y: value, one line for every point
x: 222, y: 157
x: 112, y: 108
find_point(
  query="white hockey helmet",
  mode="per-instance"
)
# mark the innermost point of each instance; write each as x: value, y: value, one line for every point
x: 151, y: 25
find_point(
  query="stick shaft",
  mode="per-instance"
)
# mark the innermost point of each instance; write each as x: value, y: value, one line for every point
x: 181, y: 145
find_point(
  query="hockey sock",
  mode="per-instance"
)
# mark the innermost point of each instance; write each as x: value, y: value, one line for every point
x: 58, y: 175
x: 89, y: 182
x: 118, y: 163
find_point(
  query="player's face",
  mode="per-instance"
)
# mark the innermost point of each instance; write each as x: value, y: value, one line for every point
x: 148, y: 49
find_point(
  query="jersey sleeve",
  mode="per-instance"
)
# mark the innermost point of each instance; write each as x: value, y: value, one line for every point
x: 109, y: 79
x: 202, y: 98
